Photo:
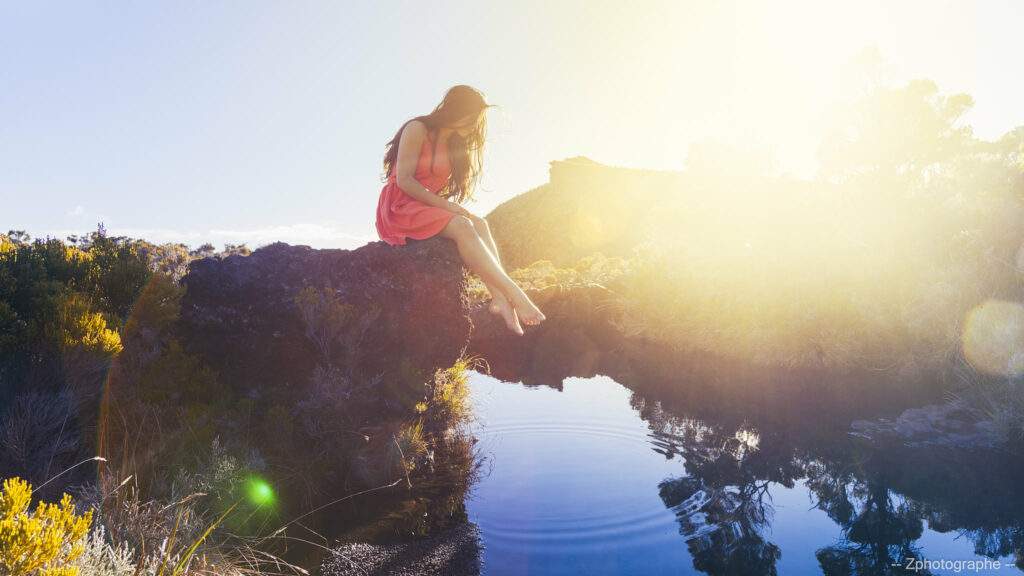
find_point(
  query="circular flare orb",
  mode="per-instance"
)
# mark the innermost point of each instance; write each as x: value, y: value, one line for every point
x: 993, y: 338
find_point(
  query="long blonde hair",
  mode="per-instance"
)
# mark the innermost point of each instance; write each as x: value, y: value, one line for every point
x: 465, y: 154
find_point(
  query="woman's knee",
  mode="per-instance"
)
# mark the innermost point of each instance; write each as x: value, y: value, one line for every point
x: 479, y: 222
x: 460, y: 227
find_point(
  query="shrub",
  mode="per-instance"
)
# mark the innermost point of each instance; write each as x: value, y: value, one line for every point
x: 325, y: 317
x: 34, y: 435
x: 43, y: 543
x: 100, y: 558
x: 85, y: 328
x: 448, y: 401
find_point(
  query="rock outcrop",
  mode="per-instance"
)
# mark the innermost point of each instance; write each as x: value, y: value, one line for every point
x: 335, y: 345
x: 584, y: 208
x: 264, y: 321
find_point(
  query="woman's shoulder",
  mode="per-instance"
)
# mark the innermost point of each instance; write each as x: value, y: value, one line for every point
x: 415, y: 133
x: 415, y: 127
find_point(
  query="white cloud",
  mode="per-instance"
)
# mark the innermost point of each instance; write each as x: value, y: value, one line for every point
x: 315, y: 235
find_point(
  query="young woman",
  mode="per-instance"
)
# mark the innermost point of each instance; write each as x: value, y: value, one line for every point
x: 432, y: 165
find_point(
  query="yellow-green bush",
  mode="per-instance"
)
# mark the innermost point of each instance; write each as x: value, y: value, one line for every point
x: 6, y: 245
x: 42, y: 543
x: 412, y: 445
x: 448, y: 401
x: 84, y: 328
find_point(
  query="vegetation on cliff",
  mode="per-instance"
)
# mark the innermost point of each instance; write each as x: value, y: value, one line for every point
x: 223, y: 403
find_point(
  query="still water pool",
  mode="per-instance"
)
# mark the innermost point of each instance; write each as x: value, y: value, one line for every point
x: 594, y: 479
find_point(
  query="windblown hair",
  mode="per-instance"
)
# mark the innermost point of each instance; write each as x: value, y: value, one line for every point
x: 464, y: 154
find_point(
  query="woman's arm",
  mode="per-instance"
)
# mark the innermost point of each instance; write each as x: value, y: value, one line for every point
x: 409, y: 146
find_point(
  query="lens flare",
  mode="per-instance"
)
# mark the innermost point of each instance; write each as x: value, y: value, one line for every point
x: 993, y: 338
x: 259, y: 491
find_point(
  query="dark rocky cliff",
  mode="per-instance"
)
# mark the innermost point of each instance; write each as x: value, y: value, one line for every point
x: 266, y: 320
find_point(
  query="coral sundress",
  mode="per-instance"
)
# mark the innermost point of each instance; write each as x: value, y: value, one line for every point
x: 400, y: 216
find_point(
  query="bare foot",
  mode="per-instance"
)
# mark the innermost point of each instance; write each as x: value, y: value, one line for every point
x: 527, y: 310
x: 504, y: 308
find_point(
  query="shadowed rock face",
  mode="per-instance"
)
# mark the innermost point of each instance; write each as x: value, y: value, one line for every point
x: 332, y: 349
x: 394, y: 308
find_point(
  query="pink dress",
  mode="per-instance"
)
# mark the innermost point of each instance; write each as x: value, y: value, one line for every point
x: 400, y: 216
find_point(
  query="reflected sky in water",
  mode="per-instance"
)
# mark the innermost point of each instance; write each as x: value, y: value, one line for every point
x: 578, y: 483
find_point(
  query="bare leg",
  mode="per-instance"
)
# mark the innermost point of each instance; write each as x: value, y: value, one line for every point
x: 478, y: 257
x: 499, y: 302
x: 483, y: 229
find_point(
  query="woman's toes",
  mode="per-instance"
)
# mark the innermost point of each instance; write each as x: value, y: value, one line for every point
x: 508, y: 313
x: 512, y: 320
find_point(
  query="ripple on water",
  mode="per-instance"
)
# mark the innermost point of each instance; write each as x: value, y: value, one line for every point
x: 553, y: 475
x: 585, y: 429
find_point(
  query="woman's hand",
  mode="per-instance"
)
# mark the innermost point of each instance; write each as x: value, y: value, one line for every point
x: 458, y: 209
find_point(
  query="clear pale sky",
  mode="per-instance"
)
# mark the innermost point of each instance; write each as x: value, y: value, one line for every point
x: 262, y: 121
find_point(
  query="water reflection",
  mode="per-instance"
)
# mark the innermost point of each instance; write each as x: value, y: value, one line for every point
x: 722, y: 526
x: 741, y: 496
x: 879, y: 530
x: 723, y: 504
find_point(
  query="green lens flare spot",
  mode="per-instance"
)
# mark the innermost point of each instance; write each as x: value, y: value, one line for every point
x: 259, y: 491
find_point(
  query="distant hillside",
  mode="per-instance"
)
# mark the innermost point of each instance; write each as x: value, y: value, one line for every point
x: 585, y: 207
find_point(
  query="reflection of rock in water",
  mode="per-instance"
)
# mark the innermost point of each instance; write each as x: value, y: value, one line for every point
x: 953, y: 425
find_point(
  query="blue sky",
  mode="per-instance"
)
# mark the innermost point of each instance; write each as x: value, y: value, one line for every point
x: 261, y: 121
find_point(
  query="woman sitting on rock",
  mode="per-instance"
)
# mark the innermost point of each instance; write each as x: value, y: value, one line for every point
x: 433, y: 164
